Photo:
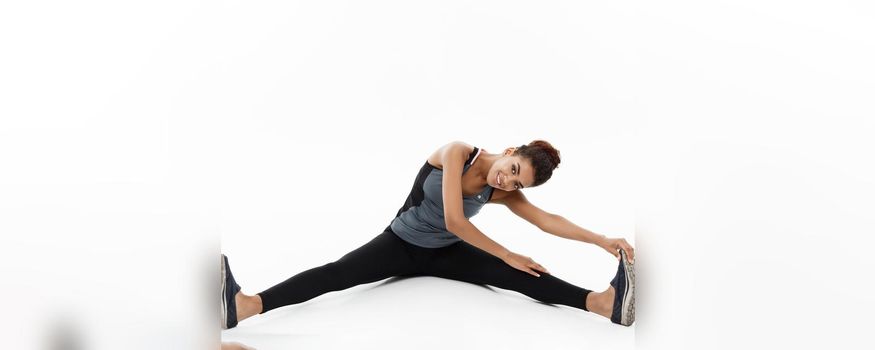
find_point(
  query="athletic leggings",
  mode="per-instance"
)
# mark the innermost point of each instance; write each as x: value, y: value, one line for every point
x: 387, y: 255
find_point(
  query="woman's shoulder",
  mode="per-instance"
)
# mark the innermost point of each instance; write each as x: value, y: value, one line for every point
x: 436, y: 158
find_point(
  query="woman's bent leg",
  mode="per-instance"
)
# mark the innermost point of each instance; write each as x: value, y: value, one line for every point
x: 383, y: 257
x: 464, y: 262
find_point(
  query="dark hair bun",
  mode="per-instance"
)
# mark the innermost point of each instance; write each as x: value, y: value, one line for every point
x: 544, y: 158
x: 552, y: 152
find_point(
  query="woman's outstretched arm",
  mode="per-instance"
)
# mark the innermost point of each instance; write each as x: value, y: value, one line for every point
x: 559, y: 226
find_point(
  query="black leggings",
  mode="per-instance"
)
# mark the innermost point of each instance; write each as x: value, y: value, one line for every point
x: 387, y: 255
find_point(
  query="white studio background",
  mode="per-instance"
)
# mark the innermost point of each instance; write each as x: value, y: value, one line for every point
x: 756, y: 174
x: 729, y: 140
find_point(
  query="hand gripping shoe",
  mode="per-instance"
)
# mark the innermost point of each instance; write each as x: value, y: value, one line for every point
x: 624, y: 292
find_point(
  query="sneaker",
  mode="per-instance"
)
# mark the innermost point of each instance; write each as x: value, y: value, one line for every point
x: 624, y: 292
x: 229, y: 290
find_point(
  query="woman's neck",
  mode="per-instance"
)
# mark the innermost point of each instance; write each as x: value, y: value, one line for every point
x: 483, y: 164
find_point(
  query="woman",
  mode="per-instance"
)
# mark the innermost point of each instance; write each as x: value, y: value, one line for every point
x: 431, y: 236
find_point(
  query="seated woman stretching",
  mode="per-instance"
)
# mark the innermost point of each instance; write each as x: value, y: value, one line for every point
x: 431, y: 236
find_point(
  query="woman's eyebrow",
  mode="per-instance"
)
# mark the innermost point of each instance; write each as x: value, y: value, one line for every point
x: 518, y: 172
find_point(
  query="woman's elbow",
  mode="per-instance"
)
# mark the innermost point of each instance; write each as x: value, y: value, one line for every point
x: 454, y: 224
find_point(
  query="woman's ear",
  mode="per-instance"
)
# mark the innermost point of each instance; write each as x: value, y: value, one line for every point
x: 508, y: 151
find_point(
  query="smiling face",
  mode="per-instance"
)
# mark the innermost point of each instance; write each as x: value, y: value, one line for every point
x: 510, y: 173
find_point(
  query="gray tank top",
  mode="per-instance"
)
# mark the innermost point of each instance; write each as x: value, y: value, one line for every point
x: 421, y: 220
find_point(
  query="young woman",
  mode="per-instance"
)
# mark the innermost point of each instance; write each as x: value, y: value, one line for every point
x: 431, y: 236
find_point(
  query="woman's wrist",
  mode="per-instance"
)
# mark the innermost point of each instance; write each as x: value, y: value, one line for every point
x: 600, y: 240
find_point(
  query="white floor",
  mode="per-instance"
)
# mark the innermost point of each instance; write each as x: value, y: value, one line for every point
x: 429, y: 313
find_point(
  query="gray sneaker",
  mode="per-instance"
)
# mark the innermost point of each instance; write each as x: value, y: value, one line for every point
x: 229, y: 290
x: 624, y: 292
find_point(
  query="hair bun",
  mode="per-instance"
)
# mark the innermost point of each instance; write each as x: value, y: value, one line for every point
x: 552, y: 152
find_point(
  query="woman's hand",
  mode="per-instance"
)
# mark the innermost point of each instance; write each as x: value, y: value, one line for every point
x: 613, y: 246
x: 524, y: 264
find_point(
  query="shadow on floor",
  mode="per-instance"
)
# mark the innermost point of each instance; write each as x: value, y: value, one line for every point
x: 395, y: 279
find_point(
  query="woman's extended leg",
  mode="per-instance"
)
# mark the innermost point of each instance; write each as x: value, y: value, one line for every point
x: 383, y: 257
x: 464, y: 262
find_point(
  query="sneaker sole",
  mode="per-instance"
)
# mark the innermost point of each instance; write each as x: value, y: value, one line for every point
x: 628, y: 310
x: 224, y: 315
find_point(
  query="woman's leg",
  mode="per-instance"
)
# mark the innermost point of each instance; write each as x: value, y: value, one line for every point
x: 464, y: 262
x: 383, y: 257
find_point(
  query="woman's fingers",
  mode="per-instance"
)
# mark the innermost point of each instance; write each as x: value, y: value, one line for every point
x: 526, y: 264
x: 526, y: 269
x: 538, y: 267
x: 613, y: 250
x: 614, y: 245
x: 529, y: 270
x: 630, y: 252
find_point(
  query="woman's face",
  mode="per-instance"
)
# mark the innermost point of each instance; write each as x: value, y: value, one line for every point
x: 510, y: 173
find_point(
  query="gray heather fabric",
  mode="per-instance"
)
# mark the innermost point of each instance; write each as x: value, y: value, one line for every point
x: 421, y: 220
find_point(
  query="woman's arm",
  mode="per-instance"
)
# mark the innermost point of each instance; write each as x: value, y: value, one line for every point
x: 452, y: 159
x: 560, y: 226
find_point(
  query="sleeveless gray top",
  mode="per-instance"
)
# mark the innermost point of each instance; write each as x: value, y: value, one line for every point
x: 421, y: 220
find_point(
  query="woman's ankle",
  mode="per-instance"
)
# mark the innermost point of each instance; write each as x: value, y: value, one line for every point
x: 601, y: 303
x: 247, y: 306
